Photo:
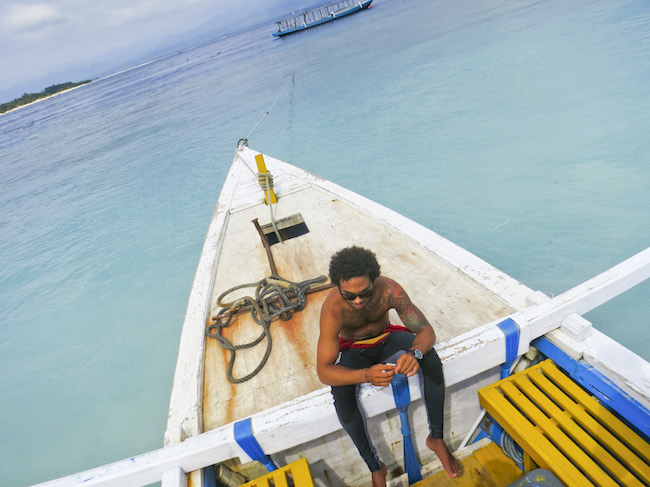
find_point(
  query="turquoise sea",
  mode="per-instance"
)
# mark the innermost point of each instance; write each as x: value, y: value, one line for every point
x: 517, y: 129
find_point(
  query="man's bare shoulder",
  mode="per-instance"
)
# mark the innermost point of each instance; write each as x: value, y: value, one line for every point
x: 389, y: 287
x: 331, y: 309
x: 394, y: 294
x: 332, y: 301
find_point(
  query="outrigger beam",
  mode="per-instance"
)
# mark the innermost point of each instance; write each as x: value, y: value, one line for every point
x: 457, y: 354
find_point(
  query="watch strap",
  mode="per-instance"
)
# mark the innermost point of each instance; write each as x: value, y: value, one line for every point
x: 417, y: 353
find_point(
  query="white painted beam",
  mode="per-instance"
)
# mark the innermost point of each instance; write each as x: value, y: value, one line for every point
x: 587, y: 296
x: 484, y: 348
x: 174, y: 478
x: 192, y: 454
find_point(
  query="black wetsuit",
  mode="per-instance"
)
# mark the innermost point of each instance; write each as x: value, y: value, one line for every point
x: 346, y: 399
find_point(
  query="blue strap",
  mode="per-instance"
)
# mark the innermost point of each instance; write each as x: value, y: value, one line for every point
x: 244, y: 437
x: 511, y: 330
x: 402, y: 396
x: 401, y: 392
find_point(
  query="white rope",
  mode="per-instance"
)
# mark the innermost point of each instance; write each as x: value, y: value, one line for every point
x: 267, y: 184
x: 237, y: 156
x: 272, y: 105
x: 267, y: 189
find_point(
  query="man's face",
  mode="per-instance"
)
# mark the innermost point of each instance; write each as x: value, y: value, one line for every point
x: 357, y: 291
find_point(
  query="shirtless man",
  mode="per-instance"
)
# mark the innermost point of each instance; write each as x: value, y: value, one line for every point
x: 355, y: 341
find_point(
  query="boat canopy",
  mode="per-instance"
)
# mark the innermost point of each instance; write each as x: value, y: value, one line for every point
x: 318, y: 15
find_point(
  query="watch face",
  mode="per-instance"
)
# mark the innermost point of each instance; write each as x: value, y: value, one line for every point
x: 418, y: 355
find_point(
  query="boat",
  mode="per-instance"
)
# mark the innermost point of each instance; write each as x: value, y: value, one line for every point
x: 246, y: 399
x: 320, y: 15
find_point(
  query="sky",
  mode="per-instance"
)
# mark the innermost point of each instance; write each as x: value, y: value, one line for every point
x: 46, y: 42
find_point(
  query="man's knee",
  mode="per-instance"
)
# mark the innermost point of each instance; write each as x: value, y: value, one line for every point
x: 345, y: 402
x: 432, y: 366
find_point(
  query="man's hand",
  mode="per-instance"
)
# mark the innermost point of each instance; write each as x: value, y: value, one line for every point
x: 407, y: 364
x: 379, y: 374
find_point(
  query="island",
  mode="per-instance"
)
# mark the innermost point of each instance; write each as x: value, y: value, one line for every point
x: 32, y: 97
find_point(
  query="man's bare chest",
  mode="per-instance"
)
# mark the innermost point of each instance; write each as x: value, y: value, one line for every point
x: 364, y: 323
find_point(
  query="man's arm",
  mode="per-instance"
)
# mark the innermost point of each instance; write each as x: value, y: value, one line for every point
x: 416, y: 322
x: 328, y: 351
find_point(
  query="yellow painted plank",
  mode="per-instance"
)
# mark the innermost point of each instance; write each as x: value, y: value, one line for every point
x: 487, y: 467
x: 581, y: 415
x: 500, y: 468
x: 473, y: 475
x: 563, y: 442
x: 298, y: 470
x: 615, y: 425
x: 529, y: 463
x: 566, y: 422
x: 601, y: 434
x: 579, y: 426
x: 543, y: 452
x: 261, y: 167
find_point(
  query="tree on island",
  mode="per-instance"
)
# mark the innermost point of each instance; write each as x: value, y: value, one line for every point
x: 32, y: 97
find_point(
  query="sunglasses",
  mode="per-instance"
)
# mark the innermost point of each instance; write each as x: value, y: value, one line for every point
x: 363, y: 294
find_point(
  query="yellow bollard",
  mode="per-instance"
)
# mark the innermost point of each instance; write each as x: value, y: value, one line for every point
x: 266, y: 180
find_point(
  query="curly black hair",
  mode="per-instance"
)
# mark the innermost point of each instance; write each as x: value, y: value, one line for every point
x: 353, y: 262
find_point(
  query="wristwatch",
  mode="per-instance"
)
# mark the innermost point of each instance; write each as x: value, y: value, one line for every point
x: 416, y: 353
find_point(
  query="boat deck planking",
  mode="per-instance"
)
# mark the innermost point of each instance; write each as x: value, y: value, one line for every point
x: 486, y: 467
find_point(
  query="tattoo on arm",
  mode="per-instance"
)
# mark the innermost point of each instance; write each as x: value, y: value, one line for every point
x: 410, y: 315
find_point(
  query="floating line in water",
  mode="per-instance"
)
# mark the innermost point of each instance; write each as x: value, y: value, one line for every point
x: 499, y: 226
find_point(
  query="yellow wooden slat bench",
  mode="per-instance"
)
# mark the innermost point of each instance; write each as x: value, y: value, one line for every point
x: 566, y: 430
x: 297, y: 471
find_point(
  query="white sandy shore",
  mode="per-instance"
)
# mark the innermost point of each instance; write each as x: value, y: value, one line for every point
x: 45, y: 98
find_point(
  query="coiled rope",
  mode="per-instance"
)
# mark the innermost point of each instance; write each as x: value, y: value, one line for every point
x: 511, y: 449
x: 274, y: 297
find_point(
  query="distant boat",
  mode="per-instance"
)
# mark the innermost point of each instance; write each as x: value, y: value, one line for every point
x: 319, y: 15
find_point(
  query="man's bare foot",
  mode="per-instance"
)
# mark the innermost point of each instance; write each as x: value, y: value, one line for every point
x: 379, y: 477
x: 452, y: 466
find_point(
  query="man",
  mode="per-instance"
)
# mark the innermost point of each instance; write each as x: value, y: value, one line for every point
x: 356, y: 342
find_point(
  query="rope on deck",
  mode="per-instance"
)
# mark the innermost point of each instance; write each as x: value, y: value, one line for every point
x: 274, y: 297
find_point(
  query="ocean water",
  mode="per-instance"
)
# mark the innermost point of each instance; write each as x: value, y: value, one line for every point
x: 518, y: 130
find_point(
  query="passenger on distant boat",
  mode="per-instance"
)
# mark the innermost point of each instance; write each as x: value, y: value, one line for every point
x: 357, y: 344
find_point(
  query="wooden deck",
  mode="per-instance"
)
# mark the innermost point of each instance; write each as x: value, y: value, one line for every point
x: 487, y: 467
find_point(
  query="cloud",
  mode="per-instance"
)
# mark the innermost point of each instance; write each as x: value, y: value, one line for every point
x: 22, y: 18
x: 53, y: 41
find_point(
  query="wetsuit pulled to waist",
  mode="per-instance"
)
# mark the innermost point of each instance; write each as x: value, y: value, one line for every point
x: 371, y: 342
